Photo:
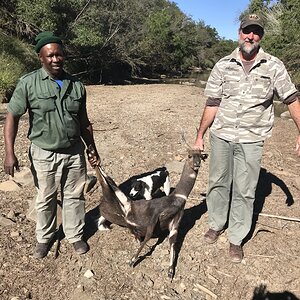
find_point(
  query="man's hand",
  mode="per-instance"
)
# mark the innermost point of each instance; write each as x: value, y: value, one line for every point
x: 199, y: 144
x: 93, y: 156
x: 10, y: 132
x: 94, y: 161
x: 10, y: 164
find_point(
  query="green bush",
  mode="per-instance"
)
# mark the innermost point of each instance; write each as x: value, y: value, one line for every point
x: 16, y: 59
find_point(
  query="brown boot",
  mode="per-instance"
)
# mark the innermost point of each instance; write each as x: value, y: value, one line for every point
x: 81, y: 247
x: 236, y: 253
x: 41, y: 250
x: 211, y: 236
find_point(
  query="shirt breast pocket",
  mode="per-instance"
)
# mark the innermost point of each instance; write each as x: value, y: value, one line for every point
x: 46, y: 103
x: 73, y: 105
x: 231, y: 86
x: 262, y: 87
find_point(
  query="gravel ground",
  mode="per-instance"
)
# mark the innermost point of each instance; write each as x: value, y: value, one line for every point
x: 137, y: 129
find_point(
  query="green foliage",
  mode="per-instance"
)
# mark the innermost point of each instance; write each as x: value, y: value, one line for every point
x: 282, y: 31
x: 16, y: 59
x: 53, y: 15
x: 222, y: 48
x: 38, y: 12
x: 290, y: 32
x: 161, y: 43
x: 174, y: 42
x: 85, y: 37
x: 107, y: 40
x: 149, y: 35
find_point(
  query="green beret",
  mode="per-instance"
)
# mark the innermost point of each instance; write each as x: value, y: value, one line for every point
x: 44, y: 38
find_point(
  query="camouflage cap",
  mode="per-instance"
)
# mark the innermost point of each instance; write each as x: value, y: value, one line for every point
x: 252, y: 19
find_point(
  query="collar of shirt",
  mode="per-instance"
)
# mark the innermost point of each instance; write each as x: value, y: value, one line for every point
x: 45, y: 75
x: 262, y: 56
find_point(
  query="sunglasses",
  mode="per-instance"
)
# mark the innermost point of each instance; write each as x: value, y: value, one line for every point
x: 254, y: 29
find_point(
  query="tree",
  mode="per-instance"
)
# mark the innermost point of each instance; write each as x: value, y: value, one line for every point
x: 282, y: 31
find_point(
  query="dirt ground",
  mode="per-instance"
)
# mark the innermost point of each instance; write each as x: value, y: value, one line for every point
x: 137, y: 129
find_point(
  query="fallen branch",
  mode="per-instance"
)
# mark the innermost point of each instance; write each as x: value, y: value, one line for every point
x: 257, y: 230
x: 279, y: 217
x: 213, y: 279
x: 269, y: 226
x: 225, y: 274
x: 206, y: 290
x: 106, y: 129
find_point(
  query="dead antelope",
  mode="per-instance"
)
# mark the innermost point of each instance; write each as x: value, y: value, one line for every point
x: 148, y: 218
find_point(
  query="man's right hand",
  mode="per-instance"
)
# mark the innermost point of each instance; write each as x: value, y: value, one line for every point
x: 10, y: 164
x: 10, y: 132
x: 199, y: 144
x: 93, y: 156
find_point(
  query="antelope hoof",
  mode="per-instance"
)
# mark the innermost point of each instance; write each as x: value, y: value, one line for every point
x: 132, y: 262
x: 171, y: 273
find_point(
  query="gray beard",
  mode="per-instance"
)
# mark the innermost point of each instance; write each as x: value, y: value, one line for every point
x: 248, y: 51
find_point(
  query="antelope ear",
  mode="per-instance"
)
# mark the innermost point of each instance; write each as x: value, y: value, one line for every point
x: 204, y: 156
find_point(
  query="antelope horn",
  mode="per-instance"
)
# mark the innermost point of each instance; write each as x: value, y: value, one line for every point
x: 184, y: 139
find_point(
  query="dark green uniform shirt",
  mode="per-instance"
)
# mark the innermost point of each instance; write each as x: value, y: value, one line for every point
x: 54, y: 112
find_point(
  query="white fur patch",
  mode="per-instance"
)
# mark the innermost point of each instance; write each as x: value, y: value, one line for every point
x: 193, y: 175
x: 133, y: 192
x: 147, y: 194
x: 149, y: 182
x: 101, y: 225
x: 181, y: 196
x: 123, y: 199
x: 131, y: 223
x: 167, y: 186
x: 172, y: 255
x: 150, y: 185
x: 172, y: 232
x: 171, y: 224
x: 103, y: 228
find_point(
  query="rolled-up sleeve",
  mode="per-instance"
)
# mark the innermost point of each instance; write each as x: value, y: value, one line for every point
x: 213, y: 101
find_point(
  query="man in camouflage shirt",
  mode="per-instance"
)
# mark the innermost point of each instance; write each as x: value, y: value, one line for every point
x: 240, y: 113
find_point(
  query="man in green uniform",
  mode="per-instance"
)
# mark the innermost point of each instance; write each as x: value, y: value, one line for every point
x: 58, y: 126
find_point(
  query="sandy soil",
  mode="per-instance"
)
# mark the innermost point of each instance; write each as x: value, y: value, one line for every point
x: 137, y: 129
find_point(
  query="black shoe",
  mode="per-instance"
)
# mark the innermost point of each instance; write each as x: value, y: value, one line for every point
x: 80, y: 247
x: 41, y: 250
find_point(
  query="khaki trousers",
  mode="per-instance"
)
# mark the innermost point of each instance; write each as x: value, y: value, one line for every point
x: 52, y: 170
x: 233, y: 176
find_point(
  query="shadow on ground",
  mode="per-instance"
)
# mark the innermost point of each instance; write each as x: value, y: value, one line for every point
x: 261, y: 293
x: 263, y: 190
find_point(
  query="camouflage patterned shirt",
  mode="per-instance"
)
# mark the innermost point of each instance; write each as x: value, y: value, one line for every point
x: 246, y: 112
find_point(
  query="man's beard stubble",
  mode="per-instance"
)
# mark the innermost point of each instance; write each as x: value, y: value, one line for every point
x: 248, y: 49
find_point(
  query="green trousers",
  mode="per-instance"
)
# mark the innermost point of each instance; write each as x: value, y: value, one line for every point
x: 52, y: 171
x: 233, y: 176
